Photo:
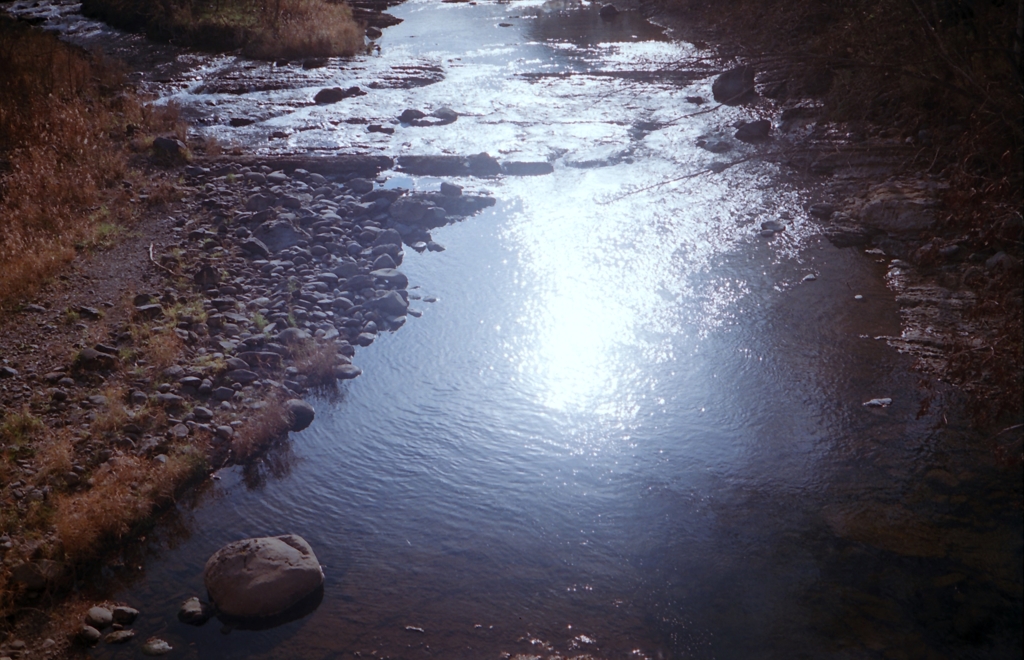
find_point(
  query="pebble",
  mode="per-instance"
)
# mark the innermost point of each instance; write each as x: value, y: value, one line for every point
x: 810, y: 277
x: 858, y: 297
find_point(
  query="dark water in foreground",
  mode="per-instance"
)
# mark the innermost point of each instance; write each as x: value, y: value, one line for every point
x: 627, y: 428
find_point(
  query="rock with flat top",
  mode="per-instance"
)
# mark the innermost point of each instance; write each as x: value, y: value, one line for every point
x: 262, y: 577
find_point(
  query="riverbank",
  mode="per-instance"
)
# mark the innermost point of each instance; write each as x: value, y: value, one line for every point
x: 911, y: 122
x: 215, y: 307
x: 289, y: 29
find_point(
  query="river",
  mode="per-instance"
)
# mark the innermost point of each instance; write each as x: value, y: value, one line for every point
x: 627, y: 425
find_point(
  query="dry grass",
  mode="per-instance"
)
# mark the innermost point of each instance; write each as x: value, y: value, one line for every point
x: 316, y: 360
x: 266, y: 425
x: 125, y: 492
x: 265, y: 28
x: 114, y: 415
x: 55, y: 455
x: 64, y: 152
x: 306, y: 28
x: 160, y: 346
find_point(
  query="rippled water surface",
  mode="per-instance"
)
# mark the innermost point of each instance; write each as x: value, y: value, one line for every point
x: 627, y: 428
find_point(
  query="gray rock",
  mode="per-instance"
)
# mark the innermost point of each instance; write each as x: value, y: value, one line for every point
x: 169, y: 400
x: 335, y: 94
x: 99, y: 617
x: 754, y: 131
x: 360, y: 186
x: 155, y: 646
x: 483, y: 164
x: 8, y: 372
x: 1002, y: 261
x: 383, y: 261
x: 409, y: 115
x: 390, y: 304
x: 243, y: 376
x: 525, y: 168
x: 715, y: 145
x: 256, y: 247
x: 821, y: 210
x: 290, y: 336
x: 125, y: 615
x: 347, y: 371
x: 262, y: 577
x: 222, y: 393
x: 260, y: 201
x: 279, y: 235
x: 169, y: 147
x: 450, y: 189
x: 407, y: 210
x: 194, y: 612
x: 149, y: 312
x: 735, y: 87
x: 89, y: 359
x: 608, y: 11
x: 392, y: 276
x: 119, y: 637
x: 89, y: 635
x: 300, y: 414
x: 445, y: 115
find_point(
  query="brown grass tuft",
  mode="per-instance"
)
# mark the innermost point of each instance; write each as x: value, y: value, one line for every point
x: 316, y: 360
x: 64, y: 153
x: 55, y: 455
x: 266, y: 425
x: 265, y: 28
x: 115, y: 415
x: 305, y: 28
x: 125, y: 492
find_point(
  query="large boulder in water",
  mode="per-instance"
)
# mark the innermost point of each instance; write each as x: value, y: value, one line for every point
x: 262, y: 577
x: 735, y: 86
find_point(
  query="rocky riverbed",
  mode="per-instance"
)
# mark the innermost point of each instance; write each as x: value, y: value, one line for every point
x: 207, y: 334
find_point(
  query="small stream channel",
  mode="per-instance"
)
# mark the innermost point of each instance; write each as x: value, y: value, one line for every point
x: 628, y: 427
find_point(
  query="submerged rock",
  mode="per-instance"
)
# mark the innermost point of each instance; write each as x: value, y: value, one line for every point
x: 194, y: 612
x: 262, y: 577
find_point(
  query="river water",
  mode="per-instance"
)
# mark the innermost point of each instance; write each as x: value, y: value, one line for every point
x: 626, y: 426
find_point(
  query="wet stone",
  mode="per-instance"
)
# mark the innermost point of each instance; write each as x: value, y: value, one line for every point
x: 119, y: 637
x: 99, y: 617
x: 125, y: 615
x: 155, y: 646
x: 222, y: 393
x: 89, y: 635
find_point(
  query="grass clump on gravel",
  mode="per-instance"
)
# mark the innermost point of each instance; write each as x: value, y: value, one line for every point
x: 68, y: 130
x: 267, y: 29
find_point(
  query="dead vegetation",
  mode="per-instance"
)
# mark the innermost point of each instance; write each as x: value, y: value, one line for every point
x: 68, y: 130
x: 125, y: 491
x: 269, y: 424
x: 269, y: 29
